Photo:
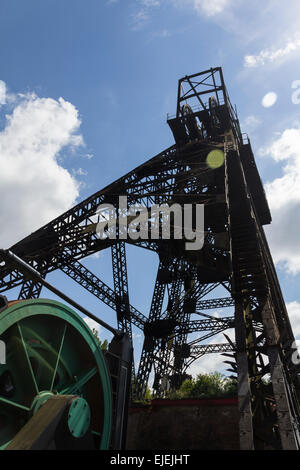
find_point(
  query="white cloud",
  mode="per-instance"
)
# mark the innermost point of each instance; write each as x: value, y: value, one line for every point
x: 150, y: 3
x: 212, y: 362
x: 139, y: 19
x: 272, y: 55
x: 269, y: 99
x: 142, y: 15
x: 137, y: 336
x: 250, y: 124
x: 204, y: 7
x: 211, y: 7
x: 96, y: 255
x: 164, y: 33
x: 293, y: 309
x: 2, y: 92
x: 34, y: 187
x: 208, y: 8
x: 284, y: 199
x: 208, y: 364
x: 80, y: 172
x: 93, y: 325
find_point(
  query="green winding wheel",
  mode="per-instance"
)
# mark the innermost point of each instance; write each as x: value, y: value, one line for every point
x: 50, y: 350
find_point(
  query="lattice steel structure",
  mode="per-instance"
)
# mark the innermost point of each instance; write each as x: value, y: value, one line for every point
x: 211, y: 163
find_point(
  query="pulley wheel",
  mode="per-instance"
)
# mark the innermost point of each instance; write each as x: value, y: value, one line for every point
x: 50, y: 350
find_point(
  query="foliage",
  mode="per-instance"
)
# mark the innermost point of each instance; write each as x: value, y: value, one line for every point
x: 213, y: 385
x: 148, y: 394
x: 102, y: 344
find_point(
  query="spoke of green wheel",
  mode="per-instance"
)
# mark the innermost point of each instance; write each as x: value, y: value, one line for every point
x: 27, y: 358
x: 4, y: 445
x: 13, y: 403
x: 58, y: 356
x: 80, y: 382
x: 96, y: 433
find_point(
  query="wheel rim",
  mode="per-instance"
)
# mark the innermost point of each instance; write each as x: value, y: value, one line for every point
x: 50, y: 349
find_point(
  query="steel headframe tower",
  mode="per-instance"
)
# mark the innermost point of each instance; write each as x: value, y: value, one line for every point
x: 212, y: 164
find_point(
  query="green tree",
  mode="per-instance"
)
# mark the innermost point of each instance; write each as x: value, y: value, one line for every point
x: 148, y: 394
x: 208, y: 385
x: 102, y: 344
x: 213, y: 385
x: 230, y: 387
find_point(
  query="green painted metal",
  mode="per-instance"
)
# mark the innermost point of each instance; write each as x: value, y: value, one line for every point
x: 80, y: 381
x: 79, y: 417
x: 39, y: 400
x: 50, y: 350
x: 12, y: 403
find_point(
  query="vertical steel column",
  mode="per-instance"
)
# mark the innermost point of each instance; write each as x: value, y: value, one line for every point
x: 286, y: 422
x: 120, y: 278
x: 244, y: 390
x: 150, y: 345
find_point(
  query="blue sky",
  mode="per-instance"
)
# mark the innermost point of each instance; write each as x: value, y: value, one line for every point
x: 84, y: 93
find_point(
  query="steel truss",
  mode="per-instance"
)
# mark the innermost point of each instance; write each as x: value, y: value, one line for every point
x: 211, y: 163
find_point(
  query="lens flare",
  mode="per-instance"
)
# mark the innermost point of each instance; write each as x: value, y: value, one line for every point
x: 215, y: 159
